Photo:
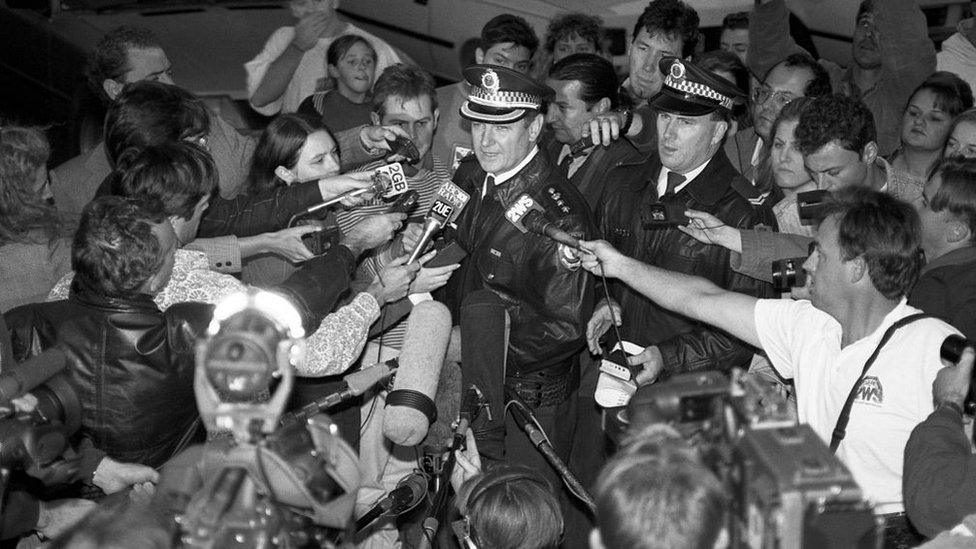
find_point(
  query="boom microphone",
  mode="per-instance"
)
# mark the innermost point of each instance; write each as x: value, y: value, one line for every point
x: 528, y: 216
x: 447, y: 206
x: 410, y: 409
x: 30, y: 373
x: 356, y: 384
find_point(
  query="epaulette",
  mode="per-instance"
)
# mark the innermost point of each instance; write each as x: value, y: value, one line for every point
x: 746, y: 190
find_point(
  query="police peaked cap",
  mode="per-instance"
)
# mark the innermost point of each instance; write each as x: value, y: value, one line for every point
x: 500, y: 95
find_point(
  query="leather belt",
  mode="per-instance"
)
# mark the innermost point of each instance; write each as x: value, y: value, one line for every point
x: 547, y: 387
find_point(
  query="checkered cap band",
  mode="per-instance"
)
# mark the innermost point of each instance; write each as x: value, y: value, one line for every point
x: 685, y: 86
x: 503, y: 99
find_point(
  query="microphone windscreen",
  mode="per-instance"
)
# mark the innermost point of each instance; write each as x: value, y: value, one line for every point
x: 484, y: 350
x: 421, y: 358
x: 30, y: 373
x: 448, y: 401
x: 363, y: 380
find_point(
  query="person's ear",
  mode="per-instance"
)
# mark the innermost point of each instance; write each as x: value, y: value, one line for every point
x: 958, y: 231
x: 870, y: 153
x: 858, y: 269
x: 596, y: 542
x: 535, y: 127
x: 479, y: 56
x: 332, y: 70
x: 375, y: 118
x: 718, y: 133
x: 112, y: 88
x: 437, y: 117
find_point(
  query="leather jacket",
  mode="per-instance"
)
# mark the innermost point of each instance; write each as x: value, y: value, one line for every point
x: 684, y: 344
x: 130, y: 365
x: 548, y: 296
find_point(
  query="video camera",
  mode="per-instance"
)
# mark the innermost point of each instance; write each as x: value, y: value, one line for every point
x: 271, y: 485
x: 38, y: 436
x: 788, y: 490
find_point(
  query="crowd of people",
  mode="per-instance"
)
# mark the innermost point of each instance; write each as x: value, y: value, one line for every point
x: 665, y: 197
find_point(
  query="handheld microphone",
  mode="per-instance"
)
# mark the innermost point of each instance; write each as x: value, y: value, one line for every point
x: 30, y: 373
x: 528, y: 216
x: 380, y: 182
x: 446, y: 208
x: 410, y: 491
x: 484, y: 325
x: 356, y: 384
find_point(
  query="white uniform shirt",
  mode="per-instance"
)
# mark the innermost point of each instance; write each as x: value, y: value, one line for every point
x: 804, y: 344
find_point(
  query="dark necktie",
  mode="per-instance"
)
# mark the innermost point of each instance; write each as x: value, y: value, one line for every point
x: 489, y: 189
x: 674, y: 179
x: 565, y: 163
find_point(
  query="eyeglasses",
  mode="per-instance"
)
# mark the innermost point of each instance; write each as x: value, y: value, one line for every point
x: 765, y: 93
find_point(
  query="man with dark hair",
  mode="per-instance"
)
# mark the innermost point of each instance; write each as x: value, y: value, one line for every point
x: 735, y: 35
x: 690, y: 171
x: 506, y: 41
x: 946, y: 287
x: 799, y: 75
x: 891, y: 49
x: 125, y: 55
x: 573, y: 33
x: 586, y: 86
x: 657, y: 494
x: 865, y: 260
x: 667, y: 28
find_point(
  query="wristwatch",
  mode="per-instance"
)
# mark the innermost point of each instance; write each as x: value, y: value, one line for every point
x: 628, y: 120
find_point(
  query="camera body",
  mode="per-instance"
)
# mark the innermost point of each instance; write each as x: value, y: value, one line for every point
x: 788, y: 274
x: 788, y: 489
x: 811, y: 206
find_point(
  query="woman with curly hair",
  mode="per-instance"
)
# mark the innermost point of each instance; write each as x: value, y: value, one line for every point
x: 34, y: 252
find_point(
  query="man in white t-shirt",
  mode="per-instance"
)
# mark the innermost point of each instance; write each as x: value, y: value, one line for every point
x: 292, y: 62
x: 866, y: 258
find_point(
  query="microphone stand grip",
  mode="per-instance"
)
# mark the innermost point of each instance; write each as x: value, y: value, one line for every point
x: 524, y: 418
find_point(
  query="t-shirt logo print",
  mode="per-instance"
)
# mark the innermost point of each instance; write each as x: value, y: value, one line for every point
x: 870, y: 391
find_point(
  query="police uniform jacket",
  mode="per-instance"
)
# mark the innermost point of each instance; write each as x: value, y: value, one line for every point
x: 719, y: 189
x: 548, y: 296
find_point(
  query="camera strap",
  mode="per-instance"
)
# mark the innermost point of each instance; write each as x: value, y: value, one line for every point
x: 840, y: 430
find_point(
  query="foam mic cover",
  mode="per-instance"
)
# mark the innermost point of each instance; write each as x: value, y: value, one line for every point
x: 424, y: 348
x: 484, y: 349
x: 30, y: 373
x: 448, y: 401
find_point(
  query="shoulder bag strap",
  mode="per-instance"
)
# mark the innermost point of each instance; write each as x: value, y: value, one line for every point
x: 840, y: 430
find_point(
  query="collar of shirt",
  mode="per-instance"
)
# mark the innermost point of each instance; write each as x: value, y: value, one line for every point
x: 506, y: 175
x: 757, y: 154
x: 662, y: 178
x: 578, y: 158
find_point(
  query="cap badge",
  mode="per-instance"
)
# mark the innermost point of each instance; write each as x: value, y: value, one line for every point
x: 678, y: 70
x: 489, y: 81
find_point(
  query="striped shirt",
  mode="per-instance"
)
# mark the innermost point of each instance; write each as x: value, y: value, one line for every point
x: 426, y: 181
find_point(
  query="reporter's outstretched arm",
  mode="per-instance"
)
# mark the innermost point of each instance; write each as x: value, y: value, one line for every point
x: 690, y: 296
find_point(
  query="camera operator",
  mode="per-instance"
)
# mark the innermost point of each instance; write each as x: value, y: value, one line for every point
x: 940, y: 467
x: 865, y: 260
x: 656, y: 493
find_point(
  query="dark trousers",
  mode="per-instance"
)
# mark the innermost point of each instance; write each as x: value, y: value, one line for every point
x: 899, y: 532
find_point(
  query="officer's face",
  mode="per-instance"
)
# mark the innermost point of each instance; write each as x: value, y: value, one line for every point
x: 500, y: 147
x: 646, y: 52
x: 415, y: 116
x: 833, y: 167
x: 686, y: 142
x: 506, y: 54
x: 568, y: 113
